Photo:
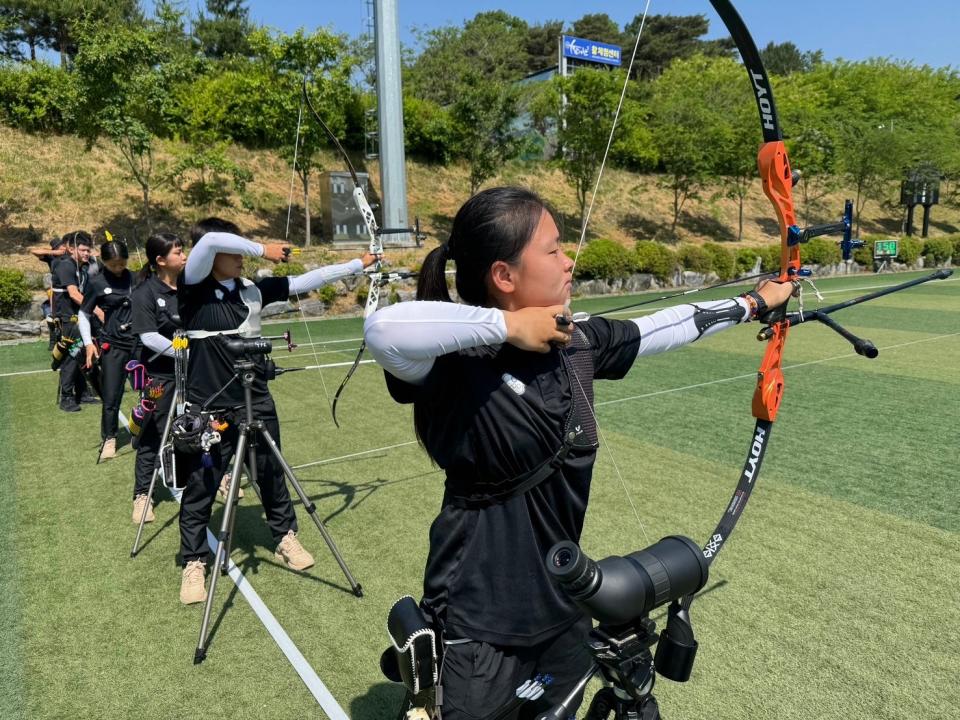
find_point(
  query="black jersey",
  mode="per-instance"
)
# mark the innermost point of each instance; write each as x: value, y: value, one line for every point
x: 155, y: 309
x: 111, y: 293
x: 498, y: 413
x: 209, y: 306
x: 66, y: 273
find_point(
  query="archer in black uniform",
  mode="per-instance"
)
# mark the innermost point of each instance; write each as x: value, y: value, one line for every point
x: 217, y: 303
x: 109, y: 290
x: 503, y: 402
x: 156, y: 317
x: 69, y: 282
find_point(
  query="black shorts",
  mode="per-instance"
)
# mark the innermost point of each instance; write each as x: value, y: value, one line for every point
x: 478, y: 679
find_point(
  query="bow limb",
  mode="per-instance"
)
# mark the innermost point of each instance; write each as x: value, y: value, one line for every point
x: 375, y: 247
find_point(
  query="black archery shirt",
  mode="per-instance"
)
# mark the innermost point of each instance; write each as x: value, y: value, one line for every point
x: 496, y: 413
x: 112, y: 294
x: 209, y: 305
x: 155, y: 309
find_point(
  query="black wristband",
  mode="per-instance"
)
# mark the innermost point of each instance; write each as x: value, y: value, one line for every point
x: 758, y: 306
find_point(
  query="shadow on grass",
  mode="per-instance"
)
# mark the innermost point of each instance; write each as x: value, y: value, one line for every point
x: 352, y: 494
x: 383, y: 701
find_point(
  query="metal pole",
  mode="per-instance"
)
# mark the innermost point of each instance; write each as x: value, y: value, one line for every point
x: 393, y: 173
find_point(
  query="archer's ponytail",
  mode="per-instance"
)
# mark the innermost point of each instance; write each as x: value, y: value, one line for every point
x: 432, y: 279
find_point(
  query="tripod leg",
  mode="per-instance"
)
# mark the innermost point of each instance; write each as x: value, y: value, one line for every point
x: 153, y: 478
x: 312, y: 511
x: 221, y: 558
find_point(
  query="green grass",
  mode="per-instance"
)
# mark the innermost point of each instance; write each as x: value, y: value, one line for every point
x: 839, y: 590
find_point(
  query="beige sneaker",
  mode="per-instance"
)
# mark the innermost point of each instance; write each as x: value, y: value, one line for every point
x: 109, y: 449
x: 192, y: 589
x: 225, y: 488
x: 139, y: 502
x: 292, y: 553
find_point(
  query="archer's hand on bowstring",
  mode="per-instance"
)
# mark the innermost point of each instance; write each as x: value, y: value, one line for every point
x: 276, y: 252
x: 536, y: 328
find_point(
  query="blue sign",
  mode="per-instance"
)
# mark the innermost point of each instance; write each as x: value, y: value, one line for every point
x: 591, y: 50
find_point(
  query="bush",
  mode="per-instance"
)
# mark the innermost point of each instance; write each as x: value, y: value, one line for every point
x: 605, y: 260
x: 909, y: 250
x: 655, y: 258
x: 427, y: 130
x: 695, y: 258
x: 327, y: 294
x: 288, y: 268
x: 936, y: 251
x: 362, y: 292
x: 35, y: 97
x: 724, y: 263
x: 770, y: 258
x: 745, y: 259
x: 14, y: 294
x: 820, y: 251
x: 955, y: 239
x: 864, y: 255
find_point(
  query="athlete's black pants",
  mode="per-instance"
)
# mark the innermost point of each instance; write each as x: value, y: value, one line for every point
x: 479, y: 678
x: 202, y: 483
x: 72, y: 382
x: 151, y: 433
x: 113, y: 375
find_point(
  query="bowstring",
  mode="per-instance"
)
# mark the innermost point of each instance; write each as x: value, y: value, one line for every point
x: 286, y: 237
x: 583, y: 235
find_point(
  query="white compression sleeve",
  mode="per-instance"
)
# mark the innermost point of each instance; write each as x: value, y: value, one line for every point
x: 83, y: 325
x: 323, y: 275
x: 157, y: 342
x: 674, y: 327
x: 406, y: 338
x: 200, y: 260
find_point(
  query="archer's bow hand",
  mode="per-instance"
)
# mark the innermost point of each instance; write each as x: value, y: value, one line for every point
x: 369, y: 258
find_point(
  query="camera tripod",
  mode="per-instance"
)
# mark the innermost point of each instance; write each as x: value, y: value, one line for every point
x: 249, y: 431
x: 622, y: 656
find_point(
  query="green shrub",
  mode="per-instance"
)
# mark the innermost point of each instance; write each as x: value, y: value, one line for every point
x: 864, y: 255
x: 362, y: 292
x: 937, y: 251
x: 955, y: 239
x: 655, y: 258
x: 723, y: 260
x: 695, y: 258
x: 14, y: 294
x: 820, y: 251
x: 770, y: 258
x: 605, y: 260
x: 745, y: 259
x: 35, y: 96
x: 287, y: 269
x: 909, y: 250
x: 327, y: 294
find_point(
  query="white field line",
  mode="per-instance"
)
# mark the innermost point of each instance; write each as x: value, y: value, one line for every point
x: 754, y: 374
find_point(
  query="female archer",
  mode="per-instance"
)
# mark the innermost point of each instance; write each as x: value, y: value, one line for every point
x: 502, y: 390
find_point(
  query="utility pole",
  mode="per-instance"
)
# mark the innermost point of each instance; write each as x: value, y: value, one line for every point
x: 393, y: 173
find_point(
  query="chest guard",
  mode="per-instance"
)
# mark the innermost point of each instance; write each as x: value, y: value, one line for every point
x: 579, y: 432
x: 250, y: 327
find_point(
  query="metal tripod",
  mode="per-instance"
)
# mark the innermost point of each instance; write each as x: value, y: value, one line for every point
x: 249, y: 430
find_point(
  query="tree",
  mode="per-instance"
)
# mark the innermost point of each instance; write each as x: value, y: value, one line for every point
x: 687, y: 131
x: 584, y: 121
x: 223, y: 30
x: 786, y: 58
x: 483, y: 116
x: 124, y: 78
x: 492, y: 44
x: 541, y: 45
x: 54, y: 23
x: 668, y: 37
x: 597, y: 26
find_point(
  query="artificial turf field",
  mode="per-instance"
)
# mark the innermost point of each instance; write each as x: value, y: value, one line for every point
x: 837, y: 597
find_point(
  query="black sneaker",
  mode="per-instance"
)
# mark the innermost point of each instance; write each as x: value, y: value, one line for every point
x: 89, y: 399
x: 69, y: 405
